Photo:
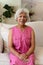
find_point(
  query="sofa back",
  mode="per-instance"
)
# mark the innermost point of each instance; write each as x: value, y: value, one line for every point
x: 37, y: 26
x: 38, y: 29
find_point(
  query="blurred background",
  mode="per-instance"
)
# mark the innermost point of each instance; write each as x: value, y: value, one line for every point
x: 9, y: 7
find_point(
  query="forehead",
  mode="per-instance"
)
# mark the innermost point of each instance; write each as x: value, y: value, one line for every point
x: 23, y: 13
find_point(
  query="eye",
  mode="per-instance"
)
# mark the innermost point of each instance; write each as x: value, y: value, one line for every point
x: 20, y: 16
x: 25, y: 17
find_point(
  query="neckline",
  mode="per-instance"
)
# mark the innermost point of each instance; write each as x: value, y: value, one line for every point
x: 20, y: 29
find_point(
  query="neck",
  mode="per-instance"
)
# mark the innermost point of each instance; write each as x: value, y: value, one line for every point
x: 21, y: 26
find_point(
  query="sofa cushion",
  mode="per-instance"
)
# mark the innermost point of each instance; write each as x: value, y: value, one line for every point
x: 4, y: 33
x: 5, y: 38
x: 1, y: 43
x: 39, y: 55
x: 4, y: 59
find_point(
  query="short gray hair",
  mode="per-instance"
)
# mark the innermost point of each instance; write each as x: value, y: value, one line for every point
x: 22, y: 10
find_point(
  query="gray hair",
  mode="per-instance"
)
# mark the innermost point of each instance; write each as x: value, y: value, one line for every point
x: 22, y: 10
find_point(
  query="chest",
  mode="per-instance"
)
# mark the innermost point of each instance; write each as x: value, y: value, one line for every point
x: 22, y: 35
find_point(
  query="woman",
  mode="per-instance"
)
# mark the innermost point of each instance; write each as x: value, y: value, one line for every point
x: 21, y: 40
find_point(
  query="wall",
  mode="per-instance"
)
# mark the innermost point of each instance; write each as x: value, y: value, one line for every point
x: 11, y: 2
x: 15, y: 3
x: 37, y: 7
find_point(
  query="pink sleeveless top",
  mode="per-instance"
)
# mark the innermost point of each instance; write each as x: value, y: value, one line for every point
x: 21, y: 39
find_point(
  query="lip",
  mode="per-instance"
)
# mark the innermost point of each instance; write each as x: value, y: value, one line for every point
x: 21, y: 20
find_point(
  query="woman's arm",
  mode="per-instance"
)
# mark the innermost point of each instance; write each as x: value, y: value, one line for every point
x: 10, y: 44
x: 31, y: 50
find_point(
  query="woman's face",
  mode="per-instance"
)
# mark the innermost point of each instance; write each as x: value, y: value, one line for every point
x: 22, y: 18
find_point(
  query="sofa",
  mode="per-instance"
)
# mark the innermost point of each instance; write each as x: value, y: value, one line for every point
x: 4, y: 50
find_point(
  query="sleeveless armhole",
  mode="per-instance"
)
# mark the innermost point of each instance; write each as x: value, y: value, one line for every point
x: 12, y: 29
x: 31, y: 29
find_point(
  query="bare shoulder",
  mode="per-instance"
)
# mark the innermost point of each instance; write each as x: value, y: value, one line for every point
x: 33, y: 33
x: 10, y: 30
x: 32, y: 29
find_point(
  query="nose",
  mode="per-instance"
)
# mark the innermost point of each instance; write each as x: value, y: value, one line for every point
x: 22, y: 17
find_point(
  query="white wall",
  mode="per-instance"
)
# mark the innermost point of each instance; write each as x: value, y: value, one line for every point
x: 38, y: 9
x: 16, y: 3
x: 11, y: 2
x: 39, y: 0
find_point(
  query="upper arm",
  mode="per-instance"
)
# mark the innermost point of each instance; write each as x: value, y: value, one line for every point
x: 33, y: 39
x: 10, y: 38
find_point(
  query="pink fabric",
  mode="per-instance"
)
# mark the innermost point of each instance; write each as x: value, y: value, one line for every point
x: 22, y: 43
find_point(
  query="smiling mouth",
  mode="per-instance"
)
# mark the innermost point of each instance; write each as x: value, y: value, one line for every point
x: 22, y: 21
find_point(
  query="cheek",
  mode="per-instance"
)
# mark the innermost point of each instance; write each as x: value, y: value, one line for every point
x: 17, y: 19
x: 25, y: 20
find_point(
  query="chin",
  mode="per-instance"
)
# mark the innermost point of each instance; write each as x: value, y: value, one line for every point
x: 22, y: 23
